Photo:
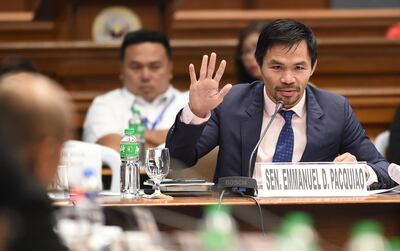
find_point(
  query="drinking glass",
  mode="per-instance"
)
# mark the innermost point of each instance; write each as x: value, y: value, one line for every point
x: 59, y: 189
x: 157, y: 167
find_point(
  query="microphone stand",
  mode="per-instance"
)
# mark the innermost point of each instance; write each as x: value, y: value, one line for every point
x: 247, y: 185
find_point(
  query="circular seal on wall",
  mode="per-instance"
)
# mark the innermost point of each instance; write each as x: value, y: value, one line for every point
x: 112, y: 23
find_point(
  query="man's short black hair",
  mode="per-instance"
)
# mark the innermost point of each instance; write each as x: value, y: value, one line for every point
x: 16, y: 63
x: 143, y: 36
x: 285, y: 32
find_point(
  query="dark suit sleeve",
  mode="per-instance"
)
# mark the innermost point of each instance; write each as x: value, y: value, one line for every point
x: 356, y: 142
x: 188, y: 143
x: 393, y: 151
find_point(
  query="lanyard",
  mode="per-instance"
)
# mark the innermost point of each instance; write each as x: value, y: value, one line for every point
x: 159, y: 117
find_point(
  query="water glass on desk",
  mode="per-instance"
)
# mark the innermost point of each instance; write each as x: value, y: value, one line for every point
x: 157, y: 167
x: 59, y: 189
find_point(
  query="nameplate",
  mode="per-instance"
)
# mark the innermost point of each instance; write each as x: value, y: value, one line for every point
x: 312, y: 179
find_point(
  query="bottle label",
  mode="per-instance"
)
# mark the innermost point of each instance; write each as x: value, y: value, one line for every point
x: 129, y: 150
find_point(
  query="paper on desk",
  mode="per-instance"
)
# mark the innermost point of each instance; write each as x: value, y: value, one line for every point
x: 393, y: 190
x: 109, y: 193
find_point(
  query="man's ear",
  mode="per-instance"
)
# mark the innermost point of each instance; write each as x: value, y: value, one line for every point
x: 314, y: 67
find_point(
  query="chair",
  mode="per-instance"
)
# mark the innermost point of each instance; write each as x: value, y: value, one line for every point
x: 382, y: 142
x: 77, y: 155
x: 204, y: 168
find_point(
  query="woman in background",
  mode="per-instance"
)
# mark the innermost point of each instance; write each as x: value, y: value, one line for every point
x: 247, y: 69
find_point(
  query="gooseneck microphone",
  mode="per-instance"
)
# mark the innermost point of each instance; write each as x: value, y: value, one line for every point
x: 278, y: 108
x: 247, y: 185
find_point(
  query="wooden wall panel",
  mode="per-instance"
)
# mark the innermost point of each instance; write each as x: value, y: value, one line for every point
x: 324, y: 22
x: 57, y: 20
x: 150, y: 13
x: 252, y: 4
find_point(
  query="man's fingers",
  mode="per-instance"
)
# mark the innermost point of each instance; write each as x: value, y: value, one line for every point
x: 345, y: 157
x: 220, y: 71
x: 211, y: 65
x: 224, y: 91
x: 341, y: 157
x: 203, y: 69
x: 192, y: 74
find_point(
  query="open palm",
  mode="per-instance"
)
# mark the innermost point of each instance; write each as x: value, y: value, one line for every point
x: 204, y: 93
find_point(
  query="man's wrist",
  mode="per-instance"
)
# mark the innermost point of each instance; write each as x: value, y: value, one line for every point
x: 197, y: 113
x: 188, y: 117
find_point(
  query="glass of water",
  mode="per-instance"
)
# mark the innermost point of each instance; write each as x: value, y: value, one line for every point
x: 59, y: 189
x: 157, y: 167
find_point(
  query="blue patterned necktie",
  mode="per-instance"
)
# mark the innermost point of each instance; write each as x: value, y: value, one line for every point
x: 284, y: 147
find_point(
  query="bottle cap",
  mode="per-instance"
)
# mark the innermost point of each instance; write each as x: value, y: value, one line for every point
x: 365, y: 227
x: 135, y: 111
x: 217, y: 208
x: 295, y: 219
x: 129, y: 131
x: 394, y: 244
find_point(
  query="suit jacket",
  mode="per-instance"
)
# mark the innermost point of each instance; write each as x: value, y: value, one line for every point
x: 235, y: 125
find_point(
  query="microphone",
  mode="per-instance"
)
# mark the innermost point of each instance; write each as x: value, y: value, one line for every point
x: 394, y: 172
x: 248, y: 185
x: 278, y: 108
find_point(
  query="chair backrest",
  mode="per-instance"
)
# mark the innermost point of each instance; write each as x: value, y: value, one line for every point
x: 382, y: 142
x: 77, y: 155
x: 204, y: 168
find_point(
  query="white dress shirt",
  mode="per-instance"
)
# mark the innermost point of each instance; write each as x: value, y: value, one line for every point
x: 266, y: 150
x: 110, y: 113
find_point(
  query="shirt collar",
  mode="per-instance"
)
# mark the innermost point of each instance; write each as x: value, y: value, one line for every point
x: 167, y: 95
x: 299, y: 109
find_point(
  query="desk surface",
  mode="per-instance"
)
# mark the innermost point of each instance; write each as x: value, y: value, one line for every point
x: 333, y: 216
x: 109, y: 201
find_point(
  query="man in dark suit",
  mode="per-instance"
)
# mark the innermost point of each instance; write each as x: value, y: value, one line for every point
x: 315, y: 125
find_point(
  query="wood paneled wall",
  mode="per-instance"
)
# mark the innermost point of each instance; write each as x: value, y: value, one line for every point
x: 324, y: 22
x: 252, y: 4
x: 58, y: 20
x: 355, y: 68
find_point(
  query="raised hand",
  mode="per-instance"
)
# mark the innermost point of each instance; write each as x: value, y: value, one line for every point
x: 204, y: 94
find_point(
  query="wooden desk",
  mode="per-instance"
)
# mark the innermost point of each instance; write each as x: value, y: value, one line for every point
x: 333, y: 216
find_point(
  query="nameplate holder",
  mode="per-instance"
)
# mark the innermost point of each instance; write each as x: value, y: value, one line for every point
x: 312, y: 179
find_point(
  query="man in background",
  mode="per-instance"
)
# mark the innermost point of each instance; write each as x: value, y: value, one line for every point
x: 16, y: 63
x: 146, y: 72
x: 36, y: 120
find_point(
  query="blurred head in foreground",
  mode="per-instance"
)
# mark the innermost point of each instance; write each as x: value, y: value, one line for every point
x: 36, y: 120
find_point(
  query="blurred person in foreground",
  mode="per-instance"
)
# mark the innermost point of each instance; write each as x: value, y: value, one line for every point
x: 247, y: 69
x: 315, y: 125
x: 146, y: 72
x: 36, y: 120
